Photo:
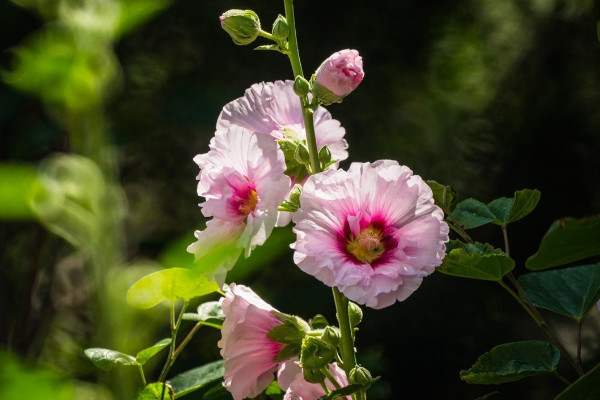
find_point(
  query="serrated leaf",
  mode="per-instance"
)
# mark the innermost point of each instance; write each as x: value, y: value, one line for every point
x: 475, y: 261
x: 146, y: 354
x: 156, y: 391
x: 197, y: 378
x: 568, y: 291
x: 471, y: 213
x: 169, y: 285
x: 107, y: 359
x: 443, y: 195
x: 568, y: 240
x: 584, y: 388
x: 513, y: 361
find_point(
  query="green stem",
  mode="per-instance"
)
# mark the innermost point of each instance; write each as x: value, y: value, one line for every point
x: 328, y: 375
x: 141, y: 369
x: 579, y: 343
x: 346, y: 342
x: 542, y: 324
x: 174, y: 328
x: 307, y: 113
x: 562, y: 378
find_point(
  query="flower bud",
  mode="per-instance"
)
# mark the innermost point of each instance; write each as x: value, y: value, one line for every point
x: 324, y: 155
x: 339, y: 75
x: 295, y: 195
x: 281, y: 30
x: 242, y: 25
x: 360, y: 375
x: 301, y: 86
x: 331, y: 336
x: 315, y: 353
x: 301, y: 155
x: 355, y: 314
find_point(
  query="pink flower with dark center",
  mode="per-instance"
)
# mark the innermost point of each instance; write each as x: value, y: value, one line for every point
x: 272, y: 108
x: 291, y: 380
x: 243, y: 182
x: 341, y: 73
x: 248, y: 353
x: 373, y: 231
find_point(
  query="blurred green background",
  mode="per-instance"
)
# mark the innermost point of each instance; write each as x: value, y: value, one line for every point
x: 487, y: 96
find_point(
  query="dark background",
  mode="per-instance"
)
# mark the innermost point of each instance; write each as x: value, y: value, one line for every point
x: 487, y: 96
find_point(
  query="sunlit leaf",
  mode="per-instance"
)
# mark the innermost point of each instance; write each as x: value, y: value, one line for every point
x: 146, y: 354
x: 568, y: 240
x: 169, y: 285
x: 156, y: 391
x: 197, y: 378
x: 106, y: 359
x: 16, y: 184
x: 584, y: 388
x: 513, y: 361
x: 476, y: 261
x: 471, y: 213
x: 568, y: 291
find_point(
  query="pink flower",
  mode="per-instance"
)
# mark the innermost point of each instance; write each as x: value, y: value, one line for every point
x: 341, y: 73
x: 291, y: 379
x: 243, y: 182
x: 272, y: 108
x: 373, y: 232
x: 249, y: 354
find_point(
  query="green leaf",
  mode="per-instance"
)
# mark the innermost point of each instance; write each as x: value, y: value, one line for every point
x: 569, y: 291
x: 524, y: 202
x: 584, y: 388
x: 169, y: 285
x: 568, y: 240
x: 513, y: 361
x: 471, y: 213
x: 136, y: 12
x: 210, y: 310
x: 146, y: 354
x: 156, y: 391
x: 476, y: 261
x: 197, y: 378
x: 443, y: 195
x: 18, y: 181
x: 106, y: 359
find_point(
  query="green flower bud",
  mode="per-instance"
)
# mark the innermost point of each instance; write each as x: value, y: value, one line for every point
x: 324, y: 155
x: 354, y: 313
x: 301, y: 155
x: 301, y: 86
x: 315, y: 353
x: 360, y: 375
x: 295, y: 195
x: 291, y: 331
x: 281, y: 30
x: 313, y: 376
x: 242, y: 25
x: 319, y: 322
x: 331, y: 336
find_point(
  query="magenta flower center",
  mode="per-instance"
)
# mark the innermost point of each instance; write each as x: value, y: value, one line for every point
x: 368, y: 246
x: 243, y: 200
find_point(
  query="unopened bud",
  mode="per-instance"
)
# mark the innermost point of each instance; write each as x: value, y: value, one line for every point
x: 301, y: 155
x: 315, y: 353
x: 295, y: 195
x: 281, y: 30
x: 355, y: 314
x: 360, y: 375
x: 339, y: 75
x: 301, y: 86
x: 324, y: 155
x: 242, y: 25
x: 331, y: 336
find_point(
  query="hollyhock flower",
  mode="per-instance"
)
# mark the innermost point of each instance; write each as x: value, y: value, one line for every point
x: 272, y: 108
x: 291, y: 379
x: 341, y: 73
x: 248, y: 353
x: 243, y: 182
x: 373, y: 231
